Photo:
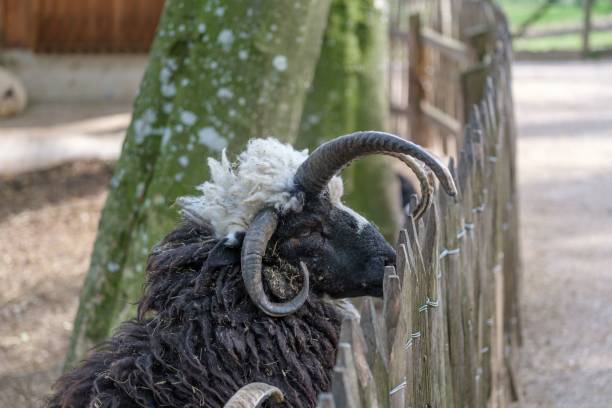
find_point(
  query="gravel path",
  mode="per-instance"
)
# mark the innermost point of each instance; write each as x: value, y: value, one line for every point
x: 564, y: 113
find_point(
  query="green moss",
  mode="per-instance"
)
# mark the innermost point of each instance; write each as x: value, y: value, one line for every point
x: 562, y: 12
x: 571, y: 42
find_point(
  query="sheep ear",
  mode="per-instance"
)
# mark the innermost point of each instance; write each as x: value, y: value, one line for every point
x: 222, y: 255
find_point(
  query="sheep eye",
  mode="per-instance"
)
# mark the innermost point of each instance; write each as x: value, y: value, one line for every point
x: 308, y: 229
x: 305, y: 233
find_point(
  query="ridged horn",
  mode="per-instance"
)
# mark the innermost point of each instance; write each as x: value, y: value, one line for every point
x: 253, y: 395
x: 253, y: 248
x: 423, y: 177
x: 328, y: 159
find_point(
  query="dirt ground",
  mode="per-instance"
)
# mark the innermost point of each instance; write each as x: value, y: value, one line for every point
x: 564, y: 111
x: 48, y: 221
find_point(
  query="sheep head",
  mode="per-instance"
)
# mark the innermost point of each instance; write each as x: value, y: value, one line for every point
x: 290, y: 201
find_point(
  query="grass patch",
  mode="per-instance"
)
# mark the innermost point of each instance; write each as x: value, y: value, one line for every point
x: 564, y: 12
x: 570, y: 42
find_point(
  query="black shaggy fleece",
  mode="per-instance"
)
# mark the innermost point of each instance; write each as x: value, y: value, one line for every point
x: 198, y: 338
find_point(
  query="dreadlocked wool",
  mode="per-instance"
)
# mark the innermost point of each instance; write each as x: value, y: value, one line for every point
x: 198, y: 338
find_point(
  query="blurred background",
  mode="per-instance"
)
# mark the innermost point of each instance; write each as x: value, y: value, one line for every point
x: 69, y: 73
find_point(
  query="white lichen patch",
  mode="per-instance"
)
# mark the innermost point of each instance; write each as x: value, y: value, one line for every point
x: 183, y: 161
x: 143, y: 126
x: 220, y: 11
x: 178, y: 176
x: 201, y: 28
x: 226, y: 39
x: 158, y: 199
x: 112, y: 266
x: 188, y: 118
x: 140, y: 187
x: 243, y: 55
x: 116, y: 180
x: 210, y: 138
x: 224, y: 93
x: 168, y: 90
x: 313, y: 119
x: 166, y: 136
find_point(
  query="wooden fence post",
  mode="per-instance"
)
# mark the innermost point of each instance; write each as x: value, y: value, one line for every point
x: 586, y: 27
x: 474, y: 78
x: 416, y: 73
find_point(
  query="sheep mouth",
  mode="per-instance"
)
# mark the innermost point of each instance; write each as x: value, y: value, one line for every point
x: 375, y: 289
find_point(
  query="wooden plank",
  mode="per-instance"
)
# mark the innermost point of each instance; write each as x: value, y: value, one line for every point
x: 447, y: 46
x: 416, y: 75
x: 93, y: 25
x: 391, y: 302
x: 345, y: 384
x: 352, y: 334
x: 15, y: 23
x: 440, y: 119
x: 472, y: 83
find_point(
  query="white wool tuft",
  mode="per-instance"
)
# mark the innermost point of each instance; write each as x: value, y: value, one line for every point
x: 262, y: 177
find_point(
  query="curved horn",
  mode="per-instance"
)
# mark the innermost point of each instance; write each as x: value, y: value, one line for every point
x: 422, y: 175
x: 329, y: 158
x: 253, y: 248
x: 253, y: 395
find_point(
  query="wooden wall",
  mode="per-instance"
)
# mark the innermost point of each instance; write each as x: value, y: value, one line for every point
x: 79, y: 25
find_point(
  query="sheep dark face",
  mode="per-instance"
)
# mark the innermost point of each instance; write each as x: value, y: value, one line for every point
x: 343, y: 252
x: 339, y: 251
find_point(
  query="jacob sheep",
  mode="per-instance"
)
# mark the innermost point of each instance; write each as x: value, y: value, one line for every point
x: 248, y: 288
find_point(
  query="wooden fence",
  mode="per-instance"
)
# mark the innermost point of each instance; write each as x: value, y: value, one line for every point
x: 79, y: 25
x: 448, y: 329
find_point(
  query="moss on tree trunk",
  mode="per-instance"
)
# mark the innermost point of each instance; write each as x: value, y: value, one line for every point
x: 349, y: 93
x: 219, y: 73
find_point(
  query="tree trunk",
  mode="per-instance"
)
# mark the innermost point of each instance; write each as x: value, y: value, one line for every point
x: 349, y: 93
x: 218, y: 75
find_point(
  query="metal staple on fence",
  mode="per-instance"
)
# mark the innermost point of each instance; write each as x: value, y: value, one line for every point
x: 428, y: 303
x: 447, y: 252
x: 410, y: 341
x: 398, y: 387
x: 480, y: 208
